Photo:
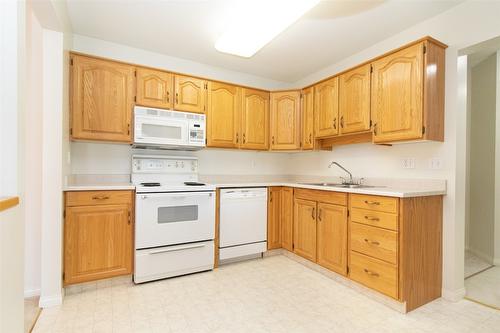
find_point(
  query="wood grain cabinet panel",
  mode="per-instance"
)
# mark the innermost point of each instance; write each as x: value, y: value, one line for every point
x: 397, y: 95
x: 274, y: 218
x: 190, y: 94
x: 287, y: 218
x: 98, y: 242
x: 285, y: 120
x: 223, y: 117
x: 307, y: 137
x: 376, y: 242
x: 255, y: 119
x: 354, y: 100
x: 154, y: 88
x: 326, y: 108
x: 304, y: 228
x: 102, y: 99
x: 332, y: 237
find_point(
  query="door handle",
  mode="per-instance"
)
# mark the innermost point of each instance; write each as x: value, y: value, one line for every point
x: 310, y: 137
x: 335, y: 123
x: 178, y: 248
x: 372, y: 242
x: 319, y: 214
x: 342, y: 122
x: 313, y: 213
x: 371, y: 273
x: 176, y: 98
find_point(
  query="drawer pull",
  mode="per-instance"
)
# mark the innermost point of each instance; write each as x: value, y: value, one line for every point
x: 368, y: 202
x: 100, y: 197
x: 372, y: 218
x: 371, y: 273
x: 372, y: 242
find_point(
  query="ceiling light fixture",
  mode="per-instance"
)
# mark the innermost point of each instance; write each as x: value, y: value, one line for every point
x: 255, y: 23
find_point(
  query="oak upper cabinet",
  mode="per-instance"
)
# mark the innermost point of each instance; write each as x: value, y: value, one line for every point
x: 154, y: 88
x: 285, y: 120
x: 408, y: 94
x: 102, y: 99
x: 287, y: 218
x: 274, y: 218
x: 332, y: 237
x: 224, y: 105
x: 307, y: 137
x: 304, y: 228
x: 354, y: 100
x: 255, y: 119
x: 190, y: 94
x: 327, y: 107
x: 98, y: 234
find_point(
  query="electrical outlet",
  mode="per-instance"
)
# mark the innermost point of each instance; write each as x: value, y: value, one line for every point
x: 408, y: 163
x: 435, y: 163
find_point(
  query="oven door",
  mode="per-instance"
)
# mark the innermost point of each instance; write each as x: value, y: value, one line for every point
x: 174, y: 218
x: 156, y: 131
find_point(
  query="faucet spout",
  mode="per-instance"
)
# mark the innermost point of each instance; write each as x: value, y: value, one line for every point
x: 340, y: 166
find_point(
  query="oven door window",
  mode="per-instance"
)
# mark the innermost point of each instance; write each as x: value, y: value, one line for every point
x: 177, y: 214
x: 169, y: 132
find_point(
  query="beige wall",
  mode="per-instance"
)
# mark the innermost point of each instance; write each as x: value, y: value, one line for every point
x: 482, y: 158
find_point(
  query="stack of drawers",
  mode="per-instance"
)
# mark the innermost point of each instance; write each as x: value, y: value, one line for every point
x: 374, y: 242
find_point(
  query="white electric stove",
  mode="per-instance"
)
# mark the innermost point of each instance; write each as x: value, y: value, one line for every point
x: 174, y: 217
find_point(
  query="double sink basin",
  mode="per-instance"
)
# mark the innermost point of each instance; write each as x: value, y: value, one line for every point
x: 340, y: 185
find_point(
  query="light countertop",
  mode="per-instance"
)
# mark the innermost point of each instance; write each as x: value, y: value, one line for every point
x: 401, y: 188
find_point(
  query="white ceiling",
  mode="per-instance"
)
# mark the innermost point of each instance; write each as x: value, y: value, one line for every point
x: 187, y: 29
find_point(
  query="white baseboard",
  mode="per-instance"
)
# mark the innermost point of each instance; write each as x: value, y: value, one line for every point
x: 496, y: 261
x: 482, y: 255
x: 50, y: 301
x: 453, y: 295
x: 31, y: 293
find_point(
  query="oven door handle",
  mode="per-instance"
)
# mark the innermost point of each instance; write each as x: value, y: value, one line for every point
x: 187, y: 247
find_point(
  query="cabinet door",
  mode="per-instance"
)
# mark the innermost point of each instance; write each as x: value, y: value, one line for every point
x: 255, y: 120
x: 304, y: 228
x: 224, y: 103
x: 332, y: 237
x: 307, y: 137
x: 354, y: 100
x: 154, y: 88
x: 285, y: 120
x: 287, y: 218
x: 190, y: 94
x: 97, y: 242
x: 102, y: 94
x: 397, y: 84
x: 327, y: 107
x: 274, y: 218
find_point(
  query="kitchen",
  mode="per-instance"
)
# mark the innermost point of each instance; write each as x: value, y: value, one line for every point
x: 340, y: 178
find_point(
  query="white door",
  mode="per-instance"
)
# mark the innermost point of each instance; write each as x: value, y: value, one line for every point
x: 174, y: 218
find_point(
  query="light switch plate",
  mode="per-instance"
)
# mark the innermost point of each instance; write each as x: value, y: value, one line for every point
x: 408, y: 163
x: 435, y: 163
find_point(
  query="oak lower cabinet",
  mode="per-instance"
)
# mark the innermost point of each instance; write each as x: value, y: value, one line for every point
x: 396, y: 246
x: 285, y: 120
x: 320, y: 228
x: 280, y: 218
x: 98, y: 235
x: 407, y: 94
x: 102, y: 98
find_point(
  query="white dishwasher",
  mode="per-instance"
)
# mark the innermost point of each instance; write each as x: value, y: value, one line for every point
x: 243, y: 222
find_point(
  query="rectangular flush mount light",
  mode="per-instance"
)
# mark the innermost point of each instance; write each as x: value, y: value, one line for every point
x: 255, y: 23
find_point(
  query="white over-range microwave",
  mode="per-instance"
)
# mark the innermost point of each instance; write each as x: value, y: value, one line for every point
x: 157, y: 128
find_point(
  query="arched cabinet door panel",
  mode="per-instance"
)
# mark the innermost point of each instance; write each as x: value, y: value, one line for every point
x: 190, y: 94
x: 154, y: 88
x: 224, y: 103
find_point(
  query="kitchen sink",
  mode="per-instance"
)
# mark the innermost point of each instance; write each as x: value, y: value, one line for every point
x: 341, y: 185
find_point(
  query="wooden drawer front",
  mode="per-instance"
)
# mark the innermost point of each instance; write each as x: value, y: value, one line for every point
x: 375, y: 242
x: 334, y: 198
x: 373, y: 202
x: 90, y: 198
x: 374, y: 274
x: 374, y: 218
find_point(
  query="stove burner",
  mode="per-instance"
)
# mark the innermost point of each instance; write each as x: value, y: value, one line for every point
x: 150, y: 184
x: 193, y: 184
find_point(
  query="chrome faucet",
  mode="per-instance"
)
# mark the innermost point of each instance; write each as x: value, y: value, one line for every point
x: 351, y: 181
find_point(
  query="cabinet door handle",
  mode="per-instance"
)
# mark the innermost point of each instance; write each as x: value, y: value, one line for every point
x: 100, y: 197
x: 342, y: 122
x: 375, y: 129
x: 371, y: 273
x: 368, y: 202
x: 168, y: 96
x: 313, y: 213
x: 237, y: 137
x: 335, y: 123
x: 319, y: 214
x: 244, y: 138
x: 310, y: 137
x: 371, y: 242
x: 372, y: 218
x: 273, y: 140
x: 176, y: 98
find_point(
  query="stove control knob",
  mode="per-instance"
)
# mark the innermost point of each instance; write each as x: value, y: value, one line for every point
x: 182, y: 165
x: 176, y: 164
